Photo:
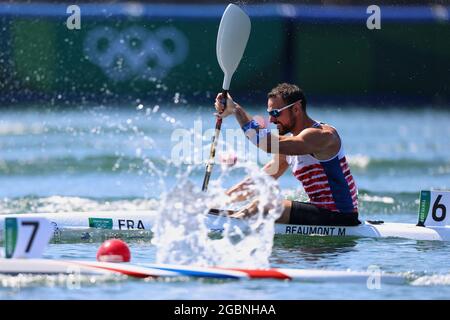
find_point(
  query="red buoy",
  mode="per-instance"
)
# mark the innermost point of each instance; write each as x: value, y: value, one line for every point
x: 114, y: 250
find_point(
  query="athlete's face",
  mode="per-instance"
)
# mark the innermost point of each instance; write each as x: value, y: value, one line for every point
x: 285, y: 120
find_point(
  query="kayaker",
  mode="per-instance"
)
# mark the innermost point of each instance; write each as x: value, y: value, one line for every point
x: 312, y: 149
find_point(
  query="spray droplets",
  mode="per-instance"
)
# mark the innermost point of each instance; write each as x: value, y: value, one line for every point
x: 176, y: 98
x: 181, y: 232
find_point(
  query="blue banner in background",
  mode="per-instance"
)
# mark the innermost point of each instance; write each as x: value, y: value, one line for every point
x: 319, y: 13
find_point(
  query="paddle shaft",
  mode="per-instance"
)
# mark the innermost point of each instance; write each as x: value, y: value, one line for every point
x: 215, y: 138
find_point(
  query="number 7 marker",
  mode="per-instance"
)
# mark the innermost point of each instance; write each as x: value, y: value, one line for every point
x: 26, y: 237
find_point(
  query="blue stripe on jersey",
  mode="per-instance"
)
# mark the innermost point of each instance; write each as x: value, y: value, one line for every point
x: 338, y: 185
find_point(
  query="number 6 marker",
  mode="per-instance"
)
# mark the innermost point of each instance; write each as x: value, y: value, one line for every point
x: 433, y: 208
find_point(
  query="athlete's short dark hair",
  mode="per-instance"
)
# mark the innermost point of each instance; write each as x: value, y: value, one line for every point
x: 290, y: 93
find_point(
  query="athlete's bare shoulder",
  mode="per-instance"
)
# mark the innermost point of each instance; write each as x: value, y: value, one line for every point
x: 327, y: 128
x: 320, y: 130
x: 327, y: 137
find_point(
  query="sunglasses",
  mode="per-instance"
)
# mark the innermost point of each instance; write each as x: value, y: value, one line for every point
x: 277, y: 112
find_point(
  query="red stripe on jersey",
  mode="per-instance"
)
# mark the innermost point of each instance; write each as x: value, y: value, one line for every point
x: 308, y: 182
x: 343, y: 164
x: 313, y: 194
x: 308, y: 168
x: 311, y: 174
x: 322, y: 199
x: 317, y: 184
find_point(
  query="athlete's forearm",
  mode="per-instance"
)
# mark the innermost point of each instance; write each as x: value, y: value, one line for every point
x: 240, y: 191
x: 275, y: 144
x: 244, y: 119
x: 272, y: 143
x: 262, y: 137
x: 239, y: 186
x: 276, y: 167
x: 241, y: 115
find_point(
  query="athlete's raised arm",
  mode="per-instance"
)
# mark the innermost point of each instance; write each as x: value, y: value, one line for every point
x: 321, y: 140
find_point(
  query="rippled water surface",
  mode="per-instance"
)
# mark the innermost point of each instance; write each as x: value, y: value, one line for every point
x: 104, y: 158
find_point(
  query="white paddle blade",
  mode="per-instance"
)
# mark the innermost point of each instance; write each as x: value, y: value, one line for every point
x: 232, y: 37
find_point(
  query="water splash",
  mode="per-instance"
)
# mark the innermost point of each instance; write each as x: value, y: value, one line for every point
x: 181, y: 232
x: 432, y: 280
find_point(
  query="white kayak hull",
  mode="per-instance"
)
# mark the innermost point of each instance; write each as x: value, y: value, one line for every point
x: 15, y: 267
x: 369, y: 230
x: 73, y: 226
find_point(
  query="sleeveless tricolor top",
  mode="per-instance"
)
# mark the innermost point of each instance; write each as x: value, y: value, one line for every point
x: 328, y: 183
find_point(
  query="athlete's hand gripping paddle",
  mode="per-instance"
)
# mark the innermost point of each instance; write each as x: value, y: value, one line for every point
x: 232, y: 37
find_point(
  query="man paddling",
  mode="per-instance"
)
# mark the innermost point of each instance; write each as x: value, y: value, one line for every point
x: 314, y: 152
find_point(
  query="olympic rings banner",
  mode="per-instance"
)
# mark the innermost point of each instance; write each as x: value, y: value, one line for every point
x: 113, y: 57
x: 130, y: 51
x: 136, y: 52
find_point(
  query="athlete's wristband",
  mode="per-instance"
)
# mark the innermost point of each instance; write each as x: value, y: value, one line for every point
x: 253, y: 132
x: 250, y: 125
